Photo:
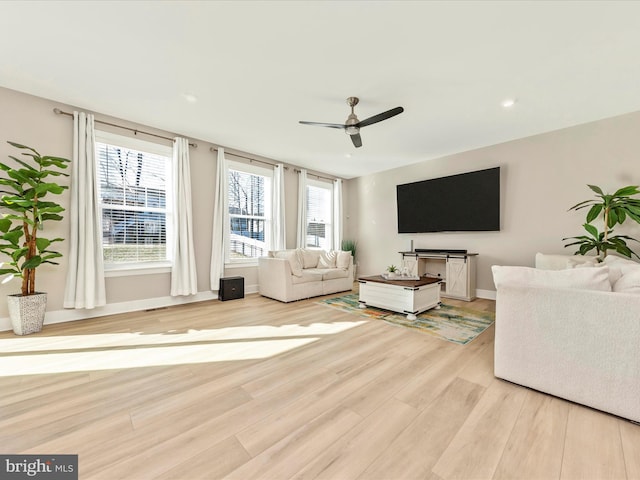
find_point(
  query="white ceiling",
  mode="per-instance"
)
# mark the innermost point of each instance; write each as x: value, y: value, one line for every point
x: 257, y: 68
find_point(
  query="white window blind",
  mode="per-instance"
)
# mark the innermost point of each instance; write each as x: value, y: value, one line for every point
x: 249, y: 208
x: 135, y: 200
x: 319, y: 215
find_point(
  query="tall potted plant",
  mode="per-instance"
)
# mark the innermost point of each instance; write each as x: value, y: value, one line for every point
x: 614, y: 209
x: 24, y: 213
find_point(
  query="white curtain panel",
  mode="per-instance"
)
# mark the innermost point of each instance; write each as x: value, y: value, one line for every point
x: 85, y: 276
x: 217, y: 238
x: 337, y: 214
x: 184, y: 280
x: 278, y: 231
x: 301, y: 240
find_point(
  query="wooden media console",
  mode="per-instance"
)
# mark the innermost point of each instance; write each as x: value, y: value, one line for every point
x: 456, y: 269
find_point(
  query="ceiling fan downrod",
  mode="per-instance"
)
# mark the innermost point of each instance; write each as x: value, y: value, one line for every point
x: 352, y: 121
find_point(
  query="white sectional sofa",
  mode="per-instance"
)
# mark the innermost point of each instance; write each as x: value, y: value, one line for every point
x: 289, y: 275
x: 573, y: 332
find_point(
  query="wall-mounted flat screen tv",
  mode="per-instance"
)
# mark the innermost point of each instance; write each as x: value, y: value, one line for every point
x: 468, y: 202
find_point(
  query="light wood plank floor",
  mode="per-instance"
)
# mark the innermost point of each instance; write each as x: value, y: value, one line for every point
x: 254, y: 388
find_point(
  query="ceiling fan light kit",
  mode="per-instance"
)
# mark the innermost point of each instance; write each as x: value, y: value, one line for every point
x: 352, y: 125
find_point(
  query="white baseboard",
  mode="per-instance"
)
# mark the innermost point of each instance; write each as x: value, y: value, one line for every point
x: 70, y: 314
x: 488, y: 294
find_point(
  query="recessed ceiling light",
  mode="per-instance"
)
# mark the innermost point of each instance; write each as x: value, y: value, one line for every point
x: 190, y: 97
x: 508, y: 102
x: 347, y: 155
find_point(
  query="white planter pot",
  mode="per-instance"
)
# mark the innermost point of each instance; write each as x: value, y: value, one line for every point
x: 27, y: 312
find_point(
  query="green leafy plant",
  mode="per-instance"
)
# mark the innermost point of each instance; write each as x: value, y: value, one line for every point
x: 392, y: 269
x: 614, y: 209
x: 349, y: 246
x: 23, y: 190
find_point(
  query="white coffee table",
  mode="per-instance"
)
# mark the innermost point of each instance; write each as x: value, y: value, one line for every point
x: 403, y: 296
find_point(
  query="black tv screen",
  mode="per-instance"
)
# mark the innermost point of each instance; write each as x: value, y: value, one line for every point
x: 468, y: 202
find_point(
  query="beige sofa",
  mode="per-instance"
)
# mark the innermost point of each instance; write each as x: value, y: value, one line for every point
x: 289, y: 275
x: 572, y: 331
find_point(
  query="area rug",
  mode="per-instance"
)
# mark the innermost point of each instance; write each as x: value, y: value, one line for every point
x: 455, y: 324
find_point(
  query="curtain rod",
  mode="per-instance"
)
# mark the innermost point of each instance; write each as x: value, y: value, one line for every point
x: 134, y: 130
x: 213, y: 149
x: 317, y: 176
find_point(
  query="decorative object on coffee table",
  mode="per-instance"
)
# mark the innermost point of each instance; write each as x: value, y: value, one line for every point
x: 391, y: 272
x: 409, y: 269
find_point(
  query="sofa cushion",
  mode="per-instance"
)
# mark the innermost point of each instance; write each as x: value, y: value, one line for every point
x: 327, y: 259
x: 328, y: 273
x: 629, y: 281
x: 292, y: 257
x: 617, y: 266
x: 307, y: 275
x: 545, y: 261
x: 596, y: 278
x: 308, y: 258
x: 343, y: 260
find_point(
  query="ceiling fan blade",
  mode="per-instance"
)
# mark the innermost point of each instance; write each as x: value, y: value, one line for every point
x: 357, y: 141
x: 330, y: 125
x: 380, y: 117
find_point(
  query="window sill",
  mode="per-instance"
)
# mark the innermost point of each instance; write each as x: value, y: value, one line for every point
x: 249, y: 264
x: 131, y: 269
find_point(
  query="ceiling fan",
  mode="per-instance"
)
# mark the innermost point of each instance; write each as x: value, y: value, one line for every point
x: 352, y: 125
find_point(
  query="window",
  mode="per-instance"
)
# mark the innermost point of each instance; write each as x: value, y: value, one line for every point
x: 319, y: 215
x: 249, y: 212
x: 134, y: 180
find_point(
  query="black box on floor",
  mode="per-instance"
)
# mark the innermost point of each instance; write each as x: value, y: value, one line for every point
x: 231, y: 288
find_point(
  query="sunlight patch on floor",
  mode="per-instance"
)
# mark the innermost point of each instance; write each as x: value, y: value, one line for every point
x: 171, y: 337
x: 113, y: 351
x: 14, y: 365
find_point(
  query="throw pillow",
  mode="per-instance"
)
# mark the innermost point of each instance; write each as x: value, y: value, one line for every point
x: 545, y: 261
x: 618, y: 262
x: 343, y: 260
x: 308, y: 258
x: 614, y: 273
x: 328, y: 259
x: 294, y: 262
x: 596, y: 278
x: 582, y: 262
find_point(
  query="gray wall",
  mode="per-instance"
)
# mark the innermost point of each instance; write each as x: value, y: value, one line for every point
x: 542, y: 176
